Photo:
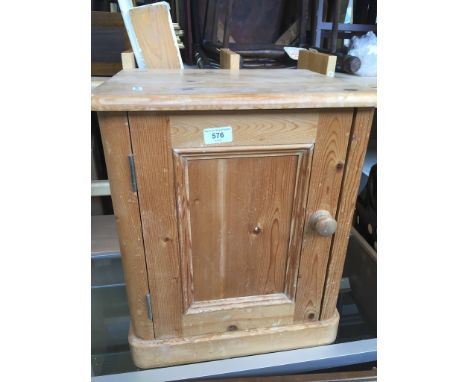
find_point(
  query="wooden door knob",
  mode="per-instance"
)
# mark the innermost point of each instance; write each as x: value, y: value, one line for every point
x: 323, y: 223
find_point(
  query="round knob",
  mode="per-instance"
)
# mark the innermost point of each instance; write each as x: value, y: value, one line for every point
x: 323, y: 223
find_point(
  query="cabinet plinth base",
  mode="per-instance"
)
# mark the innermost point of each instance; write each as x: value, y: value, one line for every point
x: 180, y: 350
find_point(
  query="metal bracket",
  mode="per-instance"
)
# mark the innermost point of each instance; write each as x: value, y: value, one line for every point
x: 149, y: 308
x: 131, y: 162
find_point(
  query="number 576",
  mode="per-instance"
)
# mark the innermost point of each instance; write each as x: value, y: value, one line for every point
x: 217, y: 135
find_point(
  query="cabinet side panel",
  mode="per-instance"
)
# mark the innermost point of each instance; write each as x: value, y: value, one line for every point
x: 116, y: 143
x: 357, y: 150
x: 324, y: 190
x: 151, y: 142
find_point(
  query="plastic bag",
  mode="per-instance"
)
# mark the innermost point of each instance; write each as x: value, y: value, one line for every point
x: 365, y: 48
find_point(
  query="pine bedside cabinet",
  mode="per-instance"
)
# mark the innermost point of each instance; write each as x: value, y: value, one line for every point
x: 233, y: 194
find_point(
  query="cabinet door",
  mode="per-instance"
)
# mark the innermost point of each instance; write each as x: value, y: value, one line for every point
x: 240, y: 214
x: 223, y: 223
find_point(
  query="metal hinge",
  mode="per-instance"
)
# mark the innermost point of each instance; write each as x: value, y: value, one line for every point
x: 131, y: 162
x: 149, y: 308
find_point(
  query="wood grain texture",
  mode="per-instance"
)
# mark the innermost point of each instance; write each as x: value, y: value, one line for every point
x: 250, y: 194
x: 116, y: 143
x: 229, y: 59
x: 370, y: 82
x: 324, y: 190
x: 213, y: 89
x: 274, y: 127
x: 239, y: 213
x: 297, y: 225
x: 317, y: 62
x: 154, y: 170
x: 254, y: 151
x: 155, y: 34
x: 218, y: 316
x: 157, y: 353
x: 356, y: 152
x: 238, y: 302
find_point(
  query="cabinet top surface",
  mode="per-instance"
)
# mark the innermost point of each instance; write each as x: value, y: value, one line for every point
x: 216, y: 89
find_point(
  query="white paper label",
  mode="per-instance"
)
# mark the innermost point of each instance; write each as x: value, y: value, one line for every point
x: 217, y: 135
x: 293, y: 52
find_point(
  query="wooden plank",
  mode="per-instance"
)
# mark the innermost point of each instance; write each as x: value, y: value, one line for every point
x: 128, y: 60
x: 317, y: 62
x: 262, y: 316
x: 230, y: 315
x: 173, y: 351
x: 156, y: 38
x: 324, y: 190
x: 125, y: 6
x: 297, y: 223
x: 259, y: 128
x: 356, y: 152
x: 229, y: 59
x: 151, y: 142
x: 183, y: 218
x: 238, y: 302
x: 116, y: 144
x: 212, y: 89
x: 232, y: 151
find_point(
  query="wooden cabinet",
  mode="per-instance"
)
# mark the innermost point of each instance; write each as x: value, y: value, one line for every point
x: 233, y: 195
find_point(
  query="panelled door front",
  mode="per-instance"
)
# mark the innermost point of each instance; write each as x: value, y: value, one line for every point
x: 223, y: 220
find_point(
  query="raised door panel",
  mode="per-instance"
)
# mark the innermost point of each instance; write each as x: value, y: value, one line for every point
x: 240, y: 222
x: 240, y: 213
